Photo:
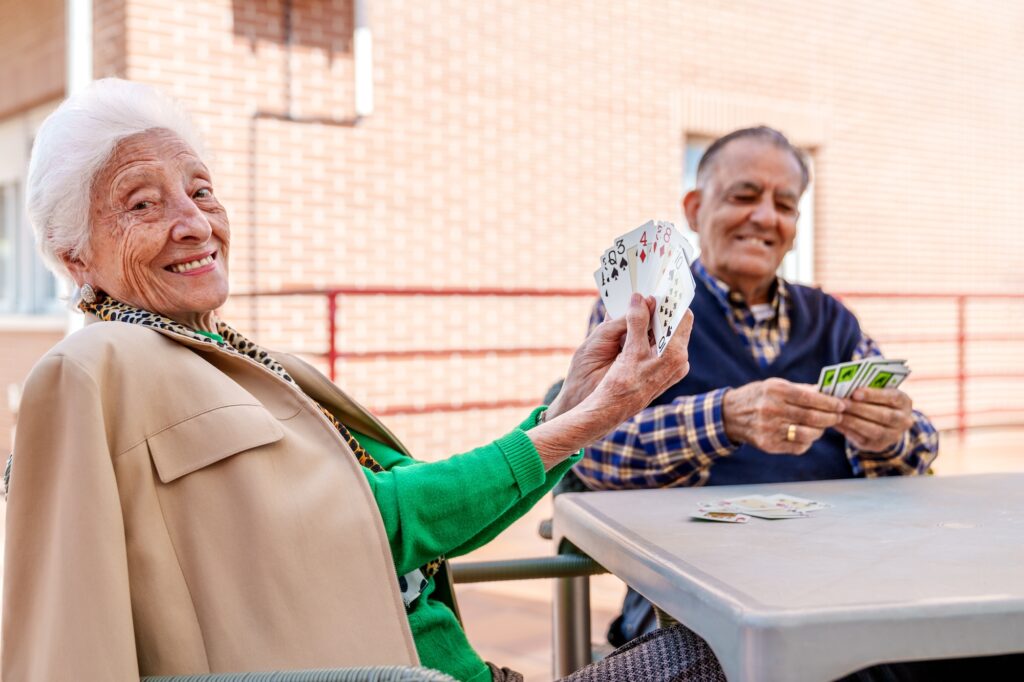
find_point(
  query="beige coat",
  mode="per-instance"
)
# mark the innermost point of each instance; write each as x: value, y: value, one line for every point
x: 175, y: 508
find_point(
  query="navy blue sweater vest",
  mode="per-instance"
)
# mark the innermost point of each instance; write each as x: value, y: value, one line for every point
x: 822, y: 332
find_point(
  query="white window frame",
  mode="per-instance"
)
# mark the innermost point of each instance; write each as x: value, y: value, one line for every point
x: 32, y: 296
x: 9, y: 234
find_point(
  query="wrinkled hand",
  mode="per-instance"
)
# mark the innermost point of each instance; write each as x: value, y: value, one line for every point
x: 760, y: 414
x: 610, y: 379
x: 591, y: 362
x: 875, y: 419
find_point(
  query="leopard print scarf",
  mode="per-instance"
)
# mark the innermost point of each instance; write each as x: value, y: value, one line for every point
x: 111, y: 310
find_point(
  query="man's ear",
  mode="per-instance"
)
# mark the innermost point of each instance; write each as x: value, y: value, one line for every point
x: 691, y: 204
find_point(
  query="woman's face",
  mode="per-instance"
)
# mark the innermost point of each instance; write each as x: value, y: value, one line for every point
x: 158, y: 236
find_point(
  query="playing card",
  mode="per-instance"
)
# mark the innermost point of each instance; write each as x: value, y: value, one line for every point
x: 655, y: 251
x: 724, y: 516
x: 845, y: 375
x: 613, y: 279
x: 749, y: 503
x: 642, y: 239
x: 870, y: 367
x: 649, y: 265
x: 887, y: 378
x: 775, y: 513
x: 674, y: 295
x: 798, y: 503
x: 875, y: 365
x: 780, y: 506
x: 778, y: 514
x: 827, y: 379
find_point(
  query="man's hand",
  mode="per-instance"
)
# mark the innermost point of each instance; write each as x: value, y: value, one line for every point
x: 875, y: 419
x: 778, y: 416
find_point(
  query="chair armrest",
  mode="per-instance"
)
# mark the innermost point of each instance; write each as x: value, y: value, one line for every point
x: 559, y: 566
x: 392, y: 673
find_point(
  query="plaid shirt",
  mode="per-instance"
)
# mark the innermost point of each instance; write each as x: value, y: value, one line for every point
x: 677, y: 444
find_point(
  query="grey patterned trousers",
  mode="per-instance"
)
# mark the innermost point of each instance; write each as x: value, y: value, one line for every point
x: 674, y: 654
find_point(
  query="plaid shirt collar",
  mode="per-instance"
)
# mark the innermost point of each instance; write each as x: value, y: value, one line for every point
x: 766, y: 337
x: 731, y: 300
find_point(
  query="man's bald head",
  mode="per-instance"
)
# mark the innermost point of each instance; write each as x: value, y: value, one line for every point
x: 763, y: 133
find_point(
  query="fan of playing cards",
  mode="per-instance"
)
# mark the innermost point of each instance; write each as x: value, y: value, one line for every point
x: 841, y: 380
x: 654, y: 259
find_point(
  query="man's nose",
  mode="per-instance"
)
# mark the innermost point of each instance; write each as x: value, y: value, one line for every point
x: 765, y: 213
x: 189, y: 223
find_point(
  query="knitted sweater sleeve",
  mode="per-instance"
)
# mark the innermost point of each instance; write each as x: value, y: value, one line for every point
x: 457, y: 504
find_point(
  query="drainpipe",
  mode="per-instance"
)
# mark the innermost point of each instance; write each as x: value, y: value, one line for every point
x: 362, y: 51
x: 78, y: 74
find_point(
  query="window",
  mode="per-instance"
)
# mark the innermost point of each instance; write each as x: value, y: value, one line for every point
x: 7, y: 222
x: 26, y: 287
x: 798, y: 265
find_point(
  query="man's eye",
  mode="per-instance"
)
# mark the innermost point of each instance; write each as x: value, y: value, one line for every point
x: 744, y: 197
x: 785, y: 209
x: 142, y: 205
x: 203, y: 193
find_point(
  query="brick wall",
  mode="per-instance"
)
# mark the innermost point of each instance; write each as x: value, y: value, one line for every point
x: 511, y: 140
x: 31, y: 53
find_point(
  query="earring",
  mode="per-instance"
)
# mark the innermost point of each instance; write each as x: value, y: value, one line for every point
x: 88, y: 293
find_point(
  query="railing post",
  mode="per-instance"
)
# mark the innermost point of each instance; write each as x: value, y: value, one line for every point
x: 961, y: 365
x: 332, y: 328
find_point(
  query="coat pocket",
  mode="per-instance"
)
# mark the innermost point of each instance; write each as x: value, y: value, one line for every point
x: 210, y: 437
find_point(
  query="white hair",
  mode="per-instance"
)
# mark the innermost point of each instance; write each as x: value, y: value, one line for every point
x: 71, y: 148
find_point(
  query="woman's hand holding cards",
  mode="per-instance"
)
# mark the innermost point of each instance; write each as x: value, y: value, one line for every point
x: 613, y: 375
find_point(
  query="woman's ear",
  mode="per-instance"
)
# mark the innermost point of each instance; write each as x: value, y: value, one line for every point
x: 76, y: 266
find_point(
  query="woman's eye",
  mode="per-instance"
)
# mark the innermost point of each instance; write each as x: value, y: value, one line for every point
x: 142, y: 205
x: 203, y: 193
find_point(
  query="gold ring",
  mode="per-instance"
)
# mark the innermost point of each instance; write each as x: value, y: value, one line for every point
x: 791, y: 433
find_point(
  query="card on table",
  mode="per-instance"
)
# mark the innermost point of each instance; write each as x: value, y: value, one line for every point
x: 779, y: 506
x: 724, y: 516
x: 798, y: 502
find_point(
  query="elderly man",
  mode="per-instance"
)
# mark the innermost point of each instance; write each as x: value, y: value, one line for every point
x: 748, y: 411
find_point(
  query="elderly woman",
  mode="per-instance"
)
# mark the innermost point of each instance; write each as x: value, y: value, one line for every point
x: 184, y: 501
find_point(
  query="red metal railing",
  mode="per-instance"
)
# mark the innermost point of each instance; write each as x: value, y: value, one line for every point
x: 961, y: 338
x: 332, y: 355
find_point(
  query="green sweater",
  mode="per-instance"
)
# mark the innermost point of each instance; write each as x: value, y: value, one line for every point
x: 452, y: 507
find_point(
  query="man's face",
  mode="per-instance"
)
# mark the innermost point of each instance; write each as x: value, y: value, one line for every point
x: 746, y: 212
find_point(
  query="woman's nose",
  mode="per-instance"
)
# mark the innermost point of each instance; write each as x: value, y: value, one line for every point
x: 189, y: 222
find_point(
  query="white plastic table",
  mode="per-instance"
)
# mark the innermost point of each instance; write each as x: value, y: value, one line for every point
x: 897, y: 569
